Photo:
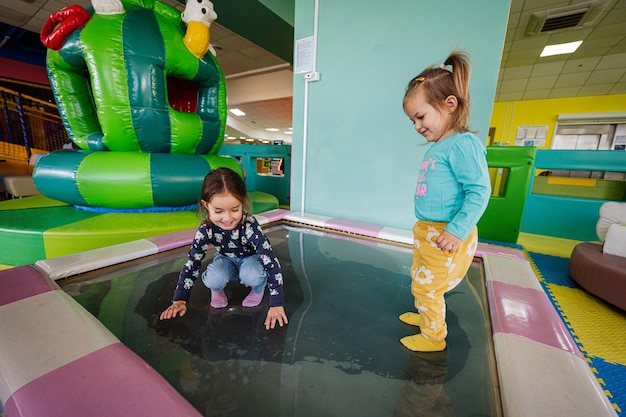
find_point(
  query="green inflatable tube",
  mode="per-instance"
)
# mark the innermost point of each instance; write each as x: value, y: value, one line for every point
x: 133, y: 179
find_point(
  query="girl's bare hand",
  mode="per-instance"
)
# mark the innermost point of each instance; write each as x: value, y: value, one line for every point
x: 275, y: 315
x: 177, y: 307
x: 448, y: 242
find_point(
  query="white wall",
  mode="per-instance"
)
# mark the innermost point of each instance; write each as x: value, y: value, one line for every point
x: 264, y: 86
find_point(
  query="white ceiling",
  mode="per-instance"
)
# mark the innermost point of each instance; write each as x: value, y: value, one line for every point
x: 598, y: 67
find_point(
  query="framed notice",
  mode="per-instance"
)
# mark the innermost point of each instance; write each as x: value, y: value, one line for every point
x: 304, y: 55
x: 531, y: 136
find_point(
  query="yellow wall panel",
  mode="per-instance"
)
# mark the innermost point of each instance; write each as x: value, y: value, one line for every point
x: 507, y: 116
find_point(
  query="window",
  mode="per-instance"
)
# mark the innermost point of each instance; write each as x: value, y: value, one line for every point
x: 590, y: 132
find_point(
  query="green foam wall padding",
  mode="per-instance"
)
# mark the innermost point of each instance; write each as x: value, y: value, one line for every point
x: 502, y: 220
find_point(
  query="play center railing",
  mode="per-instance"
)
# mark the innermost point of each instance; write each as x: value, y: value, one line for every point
x: 567, y: 206
x: 28, y: 125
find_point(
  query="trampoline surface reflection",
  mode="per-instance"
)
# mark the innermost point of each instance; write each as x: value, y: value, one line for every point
x: 340, y: 353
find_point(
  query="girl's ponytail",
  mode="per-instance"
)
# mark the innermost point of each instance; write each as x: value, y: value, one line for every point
x: 449, y: 79
x: 460, y: 75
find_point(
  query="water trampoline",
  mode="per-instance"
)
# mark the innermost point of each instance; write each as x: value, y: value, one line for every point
x: 508, y: 352
x: 339, y: 355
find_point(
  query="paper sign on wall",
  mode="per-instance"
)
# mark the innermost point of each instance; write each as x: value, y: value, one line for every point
x: 531, y: 136
x: 304, y: 55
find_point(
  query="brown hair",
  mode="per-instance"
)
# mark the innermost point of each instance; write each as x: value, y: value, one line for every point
x: 439, y: 83
x: 223, y: 180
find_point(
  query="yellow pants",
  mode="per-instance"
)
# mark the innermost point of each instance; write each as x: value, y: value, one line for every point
x: 435, y: 272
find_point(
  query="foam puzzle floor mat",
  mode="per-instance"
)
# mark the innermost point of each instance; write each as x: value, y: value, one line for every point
x: 597, y: 327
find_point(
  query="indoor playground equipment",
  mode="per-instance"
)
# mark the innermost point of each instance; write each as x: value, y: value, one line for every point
x: 137, y: 149
x: 510, y: 169
x: 145, y: 104
x: 64, y: 230
x: 568, y: 206
x: 267, y: 168
x: 499, y: 312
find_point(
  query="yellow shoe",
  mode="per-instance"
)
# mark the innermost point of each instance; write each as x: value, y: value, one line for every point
x: 418, y: 343
x: 410, y: 318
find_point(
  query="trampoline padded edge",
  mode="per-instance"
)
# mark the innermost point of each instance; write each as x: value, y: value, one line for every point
x: 76, y: 263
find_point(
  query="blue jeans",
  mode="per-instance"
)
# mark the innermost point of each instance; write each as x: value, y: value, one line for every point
x: 248, y: 270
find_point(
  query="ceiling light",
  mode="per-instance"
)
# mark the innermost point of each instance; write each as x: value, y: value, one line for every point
x: 289, y: 132
x: 561, y: 48
x: 237, y: 112
x: 272, y: 129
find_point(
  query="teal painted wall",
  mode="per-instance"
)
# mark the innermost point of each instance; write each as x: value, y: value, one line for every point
x: 362, y: 154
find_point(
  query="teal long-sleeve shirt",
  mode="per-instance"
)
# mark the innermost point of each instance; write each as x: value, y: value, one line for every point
x: 453, y: 185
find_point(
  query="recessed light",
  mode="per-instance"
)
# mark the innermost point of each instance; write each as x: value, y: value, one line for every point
x: 272, y: 129
x: 289, y: 132
x: 237, y: 112
x: 561, y: 48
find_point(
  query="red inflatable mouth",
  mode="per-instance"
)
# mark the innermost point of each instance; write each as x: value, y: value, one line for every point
x: 70, y: 18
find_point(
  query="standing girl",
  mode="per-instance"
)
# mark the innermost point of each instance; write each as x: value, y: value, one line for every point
x: 453, y: 189
x: 242, y: 251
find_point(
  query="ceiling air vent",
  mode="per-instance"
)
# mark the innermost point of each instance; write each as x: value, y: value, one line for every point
x: 575, y: 16
x: 562, y: 22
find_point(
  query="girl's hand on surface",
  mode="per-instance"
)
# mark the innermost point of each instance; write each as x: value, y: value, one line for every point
x: 177, y: 307
x: 275, y: 315
x: 448, y: 242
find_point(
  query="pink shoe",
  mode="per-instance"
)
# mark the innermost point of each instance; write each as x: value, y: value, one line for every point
x: 253, y: 299
x: 218, y: 299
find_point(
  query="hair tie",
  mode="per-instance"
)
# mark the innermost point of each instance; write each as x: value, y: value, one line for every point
x: 442, y: 66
